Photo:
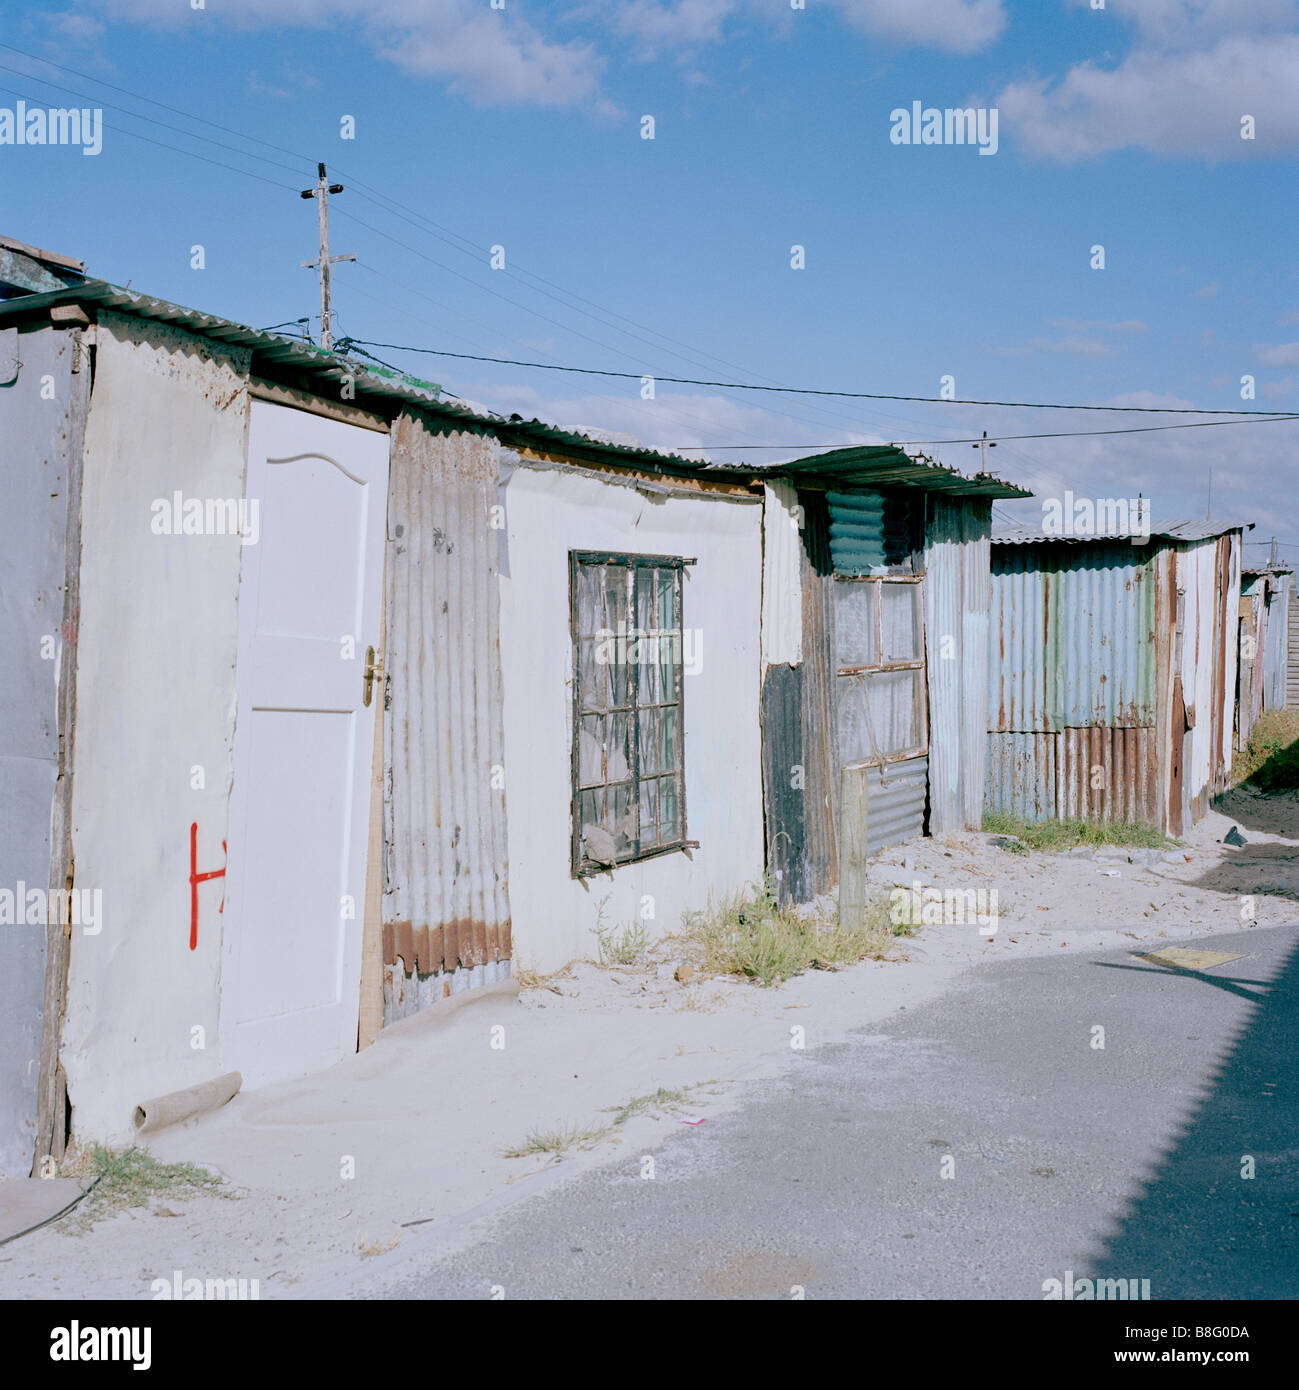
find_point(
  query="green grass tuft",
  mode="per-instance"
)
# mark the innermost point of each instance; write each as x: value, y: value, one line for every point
x: 753, y: 936
x: 1053, y: 836
x: 1271, y: 757
x: 131, y: 1178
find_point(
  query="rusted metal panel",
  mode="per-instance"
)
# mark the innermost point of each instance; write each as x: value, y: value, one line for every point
x: 1108, y: 775
x: 1093, y: 774
x: 446, y: 899
x: 1021, y: 776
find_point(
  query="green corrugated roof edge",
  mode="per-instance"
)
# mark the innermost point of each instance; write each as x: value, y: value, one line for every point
x: 886, y: 465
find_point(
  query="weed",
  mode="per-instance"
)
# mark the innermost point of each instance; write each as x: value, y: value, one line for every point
x: 1270, y: 760
x: 131, y: 1178
x: 660, y: 1100
x: 1053, y: 836
x: 753, y: 936
x: 622, y: 946
x: 559, y: 1141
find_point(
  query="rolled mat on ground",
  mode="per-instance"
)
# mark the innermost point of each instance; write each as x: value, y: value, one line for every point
x: 184, y: 1105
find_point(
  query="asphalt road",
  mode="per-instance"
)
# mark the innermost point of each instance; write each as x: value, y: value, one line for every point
x: 1121, y: 1162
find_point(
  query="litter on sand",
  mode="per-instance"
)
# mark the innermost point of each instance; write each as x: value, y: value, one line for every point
x: 692, y: 1120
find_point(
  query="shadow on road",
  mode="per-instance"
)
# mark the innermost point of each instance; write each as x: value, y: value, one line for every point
x: 1197, y: 1228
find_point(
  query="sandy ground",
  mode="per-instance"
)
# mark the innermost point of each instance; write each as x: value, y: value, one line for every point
x: 397, y: 1151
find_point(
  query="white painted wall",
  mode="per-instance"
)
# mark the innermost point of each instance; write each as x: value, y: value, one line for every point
x: 548, y: 513
x: 1197, y: 574
x: 155, y: 697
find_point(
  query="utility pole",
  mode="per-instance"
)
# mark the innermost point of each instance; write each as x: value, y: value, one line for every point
x: 983, y: 446
x: 325, y: 262
x: 1271, y: 563
x: 1208, y: 511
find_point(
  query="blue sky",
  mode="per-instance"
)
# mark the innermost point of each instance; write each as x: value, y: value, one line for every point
x: 521, y: 127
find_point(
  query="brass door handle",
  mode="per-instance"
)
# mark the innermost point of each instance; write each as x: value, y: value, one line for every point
x: 373, y: 669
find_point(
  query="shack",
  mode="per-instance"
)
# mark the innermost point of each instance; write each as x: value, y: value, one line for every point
x: 328, y: 698
x: 875, y: 631
x: 1264, y: 644
x: 1112, y: 674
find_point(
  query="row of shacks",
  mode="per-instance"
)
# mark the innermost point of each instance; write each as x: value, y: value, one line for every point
x: 327, y: 697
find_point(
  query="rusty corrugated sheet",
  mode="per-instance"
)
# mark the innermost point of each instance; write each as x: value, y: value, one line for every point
x: 1108, y: 775
x: 1074, y: 685
x: 1090, y: 774
x: 1021, y: 778
x: 446, y: 900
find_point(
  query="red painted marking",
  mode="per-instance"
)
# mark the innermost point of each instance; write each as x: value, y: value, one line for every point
x: 195, y: 878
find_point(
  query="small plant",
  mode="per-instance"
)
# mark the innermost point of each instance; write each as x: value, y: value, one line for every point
x: 755, y: 937
x: 559, y: 1141
x: 621, y: 945
x: 661, y: 1099
x: 131, y: 1178
x: 1270, y: 760
x: 1054, y: 836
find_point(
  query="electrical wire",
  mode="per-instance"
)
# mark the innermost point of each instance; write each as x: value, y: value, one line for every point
x: 850, y: 395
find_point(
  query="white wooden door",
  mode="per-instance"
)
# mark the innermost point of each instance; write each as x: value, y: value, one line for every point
x: 309, y: 606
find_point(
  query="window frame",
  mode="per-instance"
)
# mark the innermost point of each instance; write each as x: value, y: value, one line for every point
x: 581, y: 866
x: 917, y: 663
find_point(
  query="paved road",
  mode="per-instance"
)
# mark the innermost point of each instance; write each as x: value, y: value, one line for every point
x: 1119, y: 1163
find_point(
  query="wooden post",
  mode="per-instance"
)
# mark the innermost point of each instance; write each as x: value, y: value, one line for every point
x: 852, y: 847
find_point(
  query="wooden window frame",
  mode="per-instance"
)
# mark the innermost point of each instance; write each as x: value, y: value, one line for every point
x: 918, y: 663
x: 581, y: 866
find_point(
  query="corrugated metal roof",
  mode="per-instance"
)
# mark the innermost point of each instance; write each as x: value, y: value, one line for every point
x: 1169, y: 531
x: 370, y: 381
x: 888, y: 465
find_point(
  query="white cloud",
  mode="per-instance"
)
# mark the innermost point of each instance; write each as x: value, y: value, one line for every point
x: 1172, y: 23
x: 1184, y: 103
x: 684, y: 23
x: 491, y: 57
x: 673, y: 421
x: 956, y: 26
x: 1280, y: 355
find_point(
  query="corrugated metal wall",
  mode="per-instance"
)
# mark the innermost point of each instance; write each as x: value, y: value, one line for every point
x: 1292, y: 659
x: 799, y: 761
x: 957, y: 599
x: 1074, y: 637
x: 895, y: 802
x: 1274, y: 650
x: 446, y: 900
x: 1073, y: 683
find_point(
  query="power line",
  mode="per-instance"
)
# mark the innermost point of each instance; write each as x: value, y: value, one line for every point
x: 1057, y: 434
x: 192, y: 154
x: 814, y: 391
